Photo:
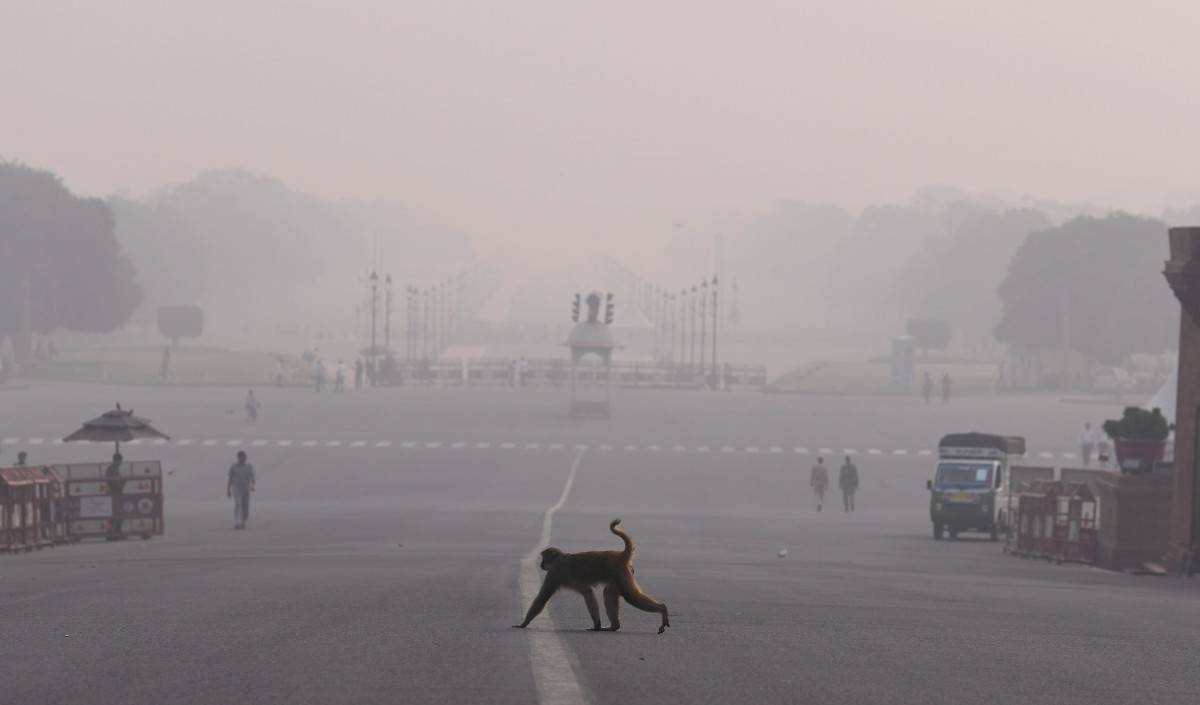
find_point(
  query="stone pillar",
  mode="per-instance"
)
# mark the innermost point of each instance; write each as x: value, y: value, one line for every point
x: 1133, y: 519
x: 1183, y: 274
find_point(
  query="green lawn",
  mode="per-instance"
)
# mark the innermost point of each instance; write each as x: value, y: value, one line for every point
x: 189, y: 365
x: 875, y: 378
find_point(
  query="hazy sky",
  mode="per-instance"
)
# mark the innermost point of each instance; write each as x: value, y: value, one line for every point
x: 555, y: 119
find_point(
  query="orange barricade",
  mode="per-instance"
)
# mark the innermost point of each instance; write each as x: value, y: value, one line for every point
x: 24, y: 491
x: 96, y: 506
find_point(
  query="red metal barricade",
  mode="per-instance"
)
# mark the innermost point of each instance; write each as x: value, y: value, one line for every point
x: 1056, y: 521
x: 52, y: 521
x: 97, y: 506
x: 23, y: 491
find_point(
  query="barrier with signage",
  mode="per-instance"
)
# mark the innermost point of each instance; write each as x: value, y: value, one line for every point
x: 100, y: 506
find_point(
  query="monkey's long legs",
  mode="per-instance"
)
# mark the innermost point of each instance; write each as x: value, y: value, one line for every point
x: 634, y: 596
x: 589, y: 596
x: 612, y: 605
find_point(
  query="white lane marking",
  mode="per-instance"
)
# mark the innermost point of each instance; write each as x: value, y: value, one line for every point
x: 581, y: 446
x: 433, y: 444
x: 134, y: 442
x: 653, y: 448
x: 483, y: 445
x: 630, y: 447
x: 703, y: 449
x: 1044, y: 454
x: 801, y: 451
x: 899, y: 451
x: 556, y: 446
x: 1069, y: 455
x: 555, y: 669
x: 751, y: 449
x: 184, y: 442
x: 383, y: 444
x: 678, y: 449
x: 849, y: 451
x: 408, y: 444
x: 508, y: 445
x: 234, y: 442
x: 332, y: 444
x: 825, y: 451
x: 532, y: 446
x: 159, y: 442
x: 775, y: 449
x: 284, y: 444
x: 458, y: 444
x: 209, y: 442
x: 308, y: 444
x: 259, y: 442
x: 874, y: 451
x: 12, y: 440
x: 605, y: 447
x: 727, y: 449
x: 358, y: 444
x: 38, y: 441
x: 59, y: 442
x: 925, y: 452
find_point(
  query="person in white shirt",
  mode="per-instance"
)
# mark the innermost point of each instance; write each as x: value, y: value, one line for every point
x: 1087, y: 443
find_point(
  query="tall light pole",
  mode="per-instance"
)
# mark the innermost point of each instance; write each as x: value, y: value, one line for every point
x: 715, y: 310
x: 703, y: 322
x: 374, y: 311
x: 387, y: 313
x: 682, y: 327
x: 692, y: 336
x: 425, y: 324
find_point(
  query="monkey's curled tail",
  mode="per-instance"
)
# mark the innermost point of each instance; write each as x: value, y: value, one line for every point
x: 628, y: 553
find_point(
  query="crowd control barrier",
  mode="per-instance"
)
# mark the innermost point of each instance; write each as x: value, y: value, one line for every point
x: 26, y: 514
x: 97, y: 506
x: 1056, y: 521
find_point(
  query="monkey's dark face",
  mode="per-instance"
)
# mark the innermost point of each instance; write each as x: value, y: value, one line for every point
x: 549, y: 556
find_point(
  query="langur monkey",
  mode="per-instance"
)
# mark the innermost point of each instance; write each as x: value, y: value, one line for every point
x: 583, y: 571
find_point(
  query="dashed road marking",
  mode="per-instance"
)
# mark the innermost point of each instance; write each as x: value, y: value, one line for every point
x: 458, y: 444
x: 924, y: 452
x: 825, y: 451
x: 309, y: 444
x: 801, y: 451
x: 751, y: 449
x: 508, y: 445
x: 606, y: 447
x: 210, y: 442
x: 678, y: 449
x: 532, y: 446
x: 383, y: 444
x: 35, y: 442
x: 333, y: 444
x: 483, y: 445
x: 184, y: 442
x: 358, y: 444
x: 653, y: 448
x: 556, y: 446
x: 899, y: 451
x: 555, y: 670
x: 631, y: 447
x: 259, y: 442
x: 874, y: 451
x: 775, y: 449
x: 433, y: 444
x: 234, y: 442
x: 703, y: 449
x: 408, y: 444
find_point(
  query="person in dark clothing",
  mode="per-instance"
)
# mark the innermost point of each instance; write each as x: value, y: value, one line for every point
x: 848, y: 483
x: 116, y: 488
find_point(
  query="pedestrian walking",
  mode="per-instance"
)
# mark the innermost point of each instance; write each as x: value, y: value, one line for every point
x: 116, y: 488
x: 927, y: 388
x: 848, y: 483
x: 239, y: 486
x: 279, y: 372
x: 1087, y: 443
x: 946, y: 382
x: 819, y: 481
x: 1103, y: 449
x: 251, y: 407
x: 339, y: 379
x: 358, y: 372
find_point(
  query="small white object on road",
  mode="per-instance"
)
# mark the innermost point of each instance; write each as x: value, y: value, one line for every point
x: 783, y: 553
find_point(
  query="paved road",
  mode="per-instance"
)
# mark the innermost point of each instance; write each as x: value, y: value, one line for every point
x: 390, y: 573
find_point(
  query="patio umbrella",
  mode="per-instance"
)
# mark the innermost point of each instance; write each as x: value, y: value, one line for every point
x: 116, y: 426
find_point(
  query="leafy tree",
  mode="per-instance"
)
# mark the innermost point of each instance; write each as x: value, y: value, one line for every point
x: 954, y: 276
x: 168, y: 254
x: 62, y: 250
x: 1094, y: 285
x: 177, y: 322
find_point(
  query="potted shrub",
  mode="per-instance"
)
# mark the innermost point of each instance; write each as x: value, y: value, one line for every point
x: 1139, y: 438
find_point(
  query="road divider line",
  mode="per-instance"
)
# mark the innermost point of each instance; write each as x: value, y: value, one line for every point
x: 555, y: 668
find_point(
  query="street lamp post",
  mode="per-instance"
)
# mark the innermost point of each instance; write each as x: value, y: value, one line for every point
x: 692, y: 335
x: 425, y: 324
x: 703, y: 322
x: 374, y: 311
x: 715, y: 310
x: 682, y: 327
x: 387, y: 312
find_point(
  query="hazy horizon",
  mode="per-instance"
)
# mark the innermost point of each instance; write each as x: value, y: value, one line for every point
x: 540, y: 122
